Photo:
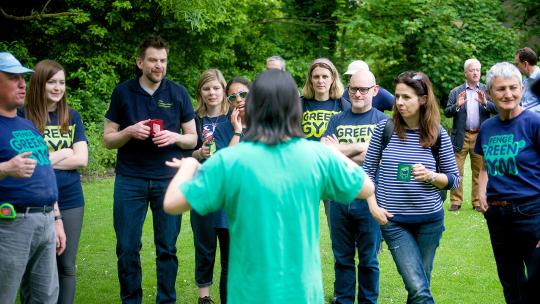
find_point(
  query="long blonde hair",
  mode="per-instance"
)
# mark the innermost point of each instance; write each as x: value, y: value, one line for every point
x: 336, y: 88
x: 207, y: 76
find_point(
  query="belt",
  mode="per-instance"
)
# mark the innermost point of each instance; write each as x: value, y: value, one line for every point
x: 500, y: 203
x: 472, y: 131
x: 40, y: 209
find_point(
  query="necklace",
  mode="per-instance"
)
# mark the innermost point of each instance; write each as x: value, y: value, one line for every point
x: 214, y: 123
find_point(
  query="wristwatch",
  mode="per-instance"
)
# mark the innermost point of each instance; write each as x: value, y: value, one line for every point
x: 433, y: 177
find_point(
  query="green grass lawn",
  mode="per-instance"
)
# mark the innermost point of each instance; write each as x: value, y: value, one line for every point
x: 464, y: 270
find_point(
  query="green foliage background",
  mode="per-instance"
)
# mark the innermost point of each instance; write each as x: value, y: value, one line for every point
x: 97, y: 40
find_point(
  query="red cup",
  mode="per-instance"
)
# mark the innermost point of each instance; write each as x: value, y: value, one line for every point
x: 155, y: 125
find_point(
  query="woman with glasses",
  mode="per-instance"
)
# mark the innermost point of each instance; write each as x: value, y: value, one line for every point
x: 207, y: 230
x: 232, y: 132
x: 321, y: 98
x: 63, y: 131
x: 410, y: 174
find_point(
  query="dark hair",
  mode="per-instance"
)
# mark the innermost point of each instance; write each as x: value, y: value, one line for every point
x: 152, y: 42
x: 430, y: 118
x: 36, y: 106
x: 527, y: 54
x: 237, y: 79
x: 273, y: 111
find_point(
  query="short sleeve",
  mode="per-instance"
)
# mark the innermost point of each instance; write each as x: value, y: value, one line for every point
x: 344, y: 181
x: 331, y: 126
x: 386, y: 100
x: 76, y: 121
x: 186, y: 112
x: 478, y: 145
x: 114, y: 112
x: 204, y: 192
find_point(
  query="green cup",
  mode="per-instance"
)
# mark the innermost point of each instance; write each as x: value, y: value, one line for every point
x: 404, y: 172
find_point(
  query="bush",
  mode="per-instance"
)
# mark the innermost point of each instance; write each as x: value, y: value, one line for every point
x: 100, y: 159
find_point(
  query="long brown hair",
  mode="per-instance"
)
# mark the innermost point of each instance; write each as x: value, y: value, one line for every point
x: 207, y: 76
x: 430, y: 118
x: 36, y: 105
x: 336, y: 88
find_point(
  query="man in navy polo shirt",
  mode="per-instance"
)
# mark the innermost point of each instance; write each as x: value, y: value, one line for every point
x: 143, y: 122
x: 352, y: 228
x: 31, y: 228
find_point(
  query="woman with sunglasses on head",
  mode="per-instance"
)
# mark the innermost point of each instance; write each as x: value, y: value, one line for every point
x: 415, y: 162
x: 63, y: 131
x: 207, y: 230
x: 321, y: 98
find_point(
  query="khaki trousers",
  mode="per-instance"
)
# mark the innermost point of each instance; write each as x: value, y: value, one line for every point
x: 456, y: 196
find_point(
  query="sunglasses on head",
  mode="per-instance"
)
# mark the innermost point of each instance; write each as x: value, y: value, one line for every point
x: 417, y: 78
x: 232, y: 97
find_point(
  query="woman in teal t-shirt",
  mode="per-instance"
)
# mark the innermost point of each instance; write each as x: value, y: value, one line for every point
x: 270, y: 186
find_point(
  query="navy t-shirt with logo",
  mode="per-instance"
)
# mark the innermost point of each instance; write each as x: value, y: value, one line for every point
x: 511, y: 151
x: 316, y: 114
x: 131, y: 104
x: 70, y: 193
x: 352, y: 128
x: 18, y: 135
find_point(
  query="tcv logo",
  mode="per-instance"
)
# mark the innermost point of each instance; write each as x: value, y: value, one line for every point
x: 163, y: 104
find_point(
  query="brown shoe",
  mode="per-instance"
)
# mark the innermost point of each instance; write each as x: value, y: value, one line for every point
x: 454, y: 207
x: 477, y: 208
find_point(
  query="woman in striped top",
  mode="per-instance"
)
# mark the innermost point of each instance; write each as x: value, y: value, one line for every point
x: 409, y: 206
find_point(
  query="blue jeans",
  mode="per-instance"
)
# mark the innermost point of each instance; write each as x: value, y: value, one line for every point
x: 205, y: 237
x: 131, y: 199
x: 353, y: 228
x: 515, y: 232
x: 413, y: 248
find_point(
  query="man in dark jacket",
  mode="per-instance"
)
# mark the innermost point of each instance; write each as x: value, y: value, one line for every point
x: 469, y: 106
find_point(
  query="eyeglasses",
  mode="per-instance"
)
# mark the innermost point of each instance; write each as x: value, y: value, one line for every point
x: 362, y: 90
x: 231, y: 98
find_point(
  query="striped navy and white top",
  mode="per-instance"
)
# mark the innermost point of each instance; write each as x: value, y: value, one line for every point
x: 410, y: 201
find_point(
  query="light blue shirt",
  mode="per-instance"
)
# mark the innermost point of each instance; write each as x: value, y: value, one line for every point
x: 530, y: 101
x: 473, y: 113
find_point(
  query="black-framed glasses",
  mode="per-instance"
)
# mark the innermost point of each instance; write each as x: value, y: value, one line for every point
x: 242, y: 94
x: 362, y: 90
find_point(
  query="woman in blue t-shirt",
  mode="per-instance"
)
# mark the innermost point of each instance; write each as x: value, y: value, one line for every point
x: 63, y: 131
x: 409, y: 174
x: 211, y: 115
x: 510, y: 185
x: 230, y: 134
x: 321, y: 98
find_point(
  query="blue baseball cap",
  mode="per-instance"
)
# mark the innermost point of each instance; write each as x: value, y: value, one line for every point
x: 10, y: 64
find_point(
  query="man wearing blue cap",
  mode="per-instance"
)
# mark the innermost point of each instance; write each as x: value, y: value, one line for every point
x: 31, y: 228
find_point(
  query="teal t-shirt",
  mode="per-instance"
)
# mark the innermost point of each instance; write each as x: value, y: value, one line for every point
x: 271, y: 195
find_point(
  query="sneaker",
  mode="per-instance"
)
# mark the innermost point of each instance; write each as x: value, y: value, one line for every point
x: 205, y: 300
